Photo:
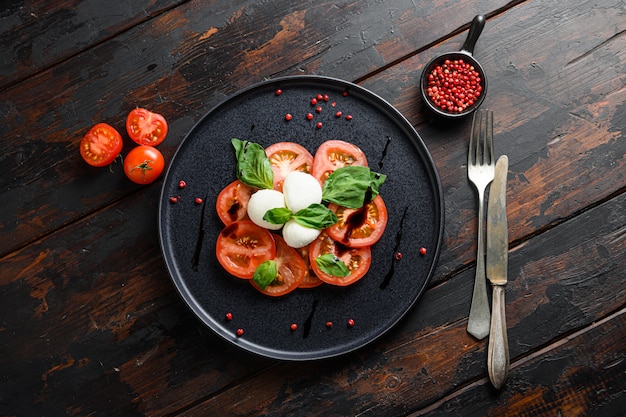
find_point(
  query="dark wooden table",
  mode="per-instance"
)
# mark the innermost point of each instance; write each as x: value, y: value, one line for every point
x: 90, y: 322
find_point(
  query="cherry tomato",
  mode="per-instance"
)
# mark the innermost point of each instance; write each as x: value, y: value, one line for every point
x: 146, y: 127
x: 242, y: 246
x: 232, y: 202
x: 143, y: 164
x: 101, y: 145
x: 291, y: 270
x: 335, y: 154
x: 360, y: 227
x: 286, y: 157
x: 358, y: 260
x: 310, y: 280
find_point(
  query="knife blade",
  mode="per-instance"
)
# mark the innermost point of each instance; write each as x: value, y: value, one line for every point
x: 497, y: 264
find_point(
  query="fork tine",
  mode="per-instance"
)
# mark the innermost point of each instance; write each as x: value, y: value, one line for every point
x: 492, y: 159
x: 480, y: 151
x: 474, y: 145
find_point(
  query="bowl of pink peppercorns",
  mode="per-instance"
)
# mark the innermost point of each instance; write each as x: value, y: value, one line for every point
x: 454, y: 84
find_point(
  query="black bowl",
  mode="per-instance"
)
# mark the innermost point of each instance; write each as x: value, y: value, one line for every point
x: 464, y: 54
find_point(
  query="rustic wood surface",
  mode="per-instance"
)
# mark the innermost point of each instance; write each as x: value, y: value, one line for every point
x: 91, y: 324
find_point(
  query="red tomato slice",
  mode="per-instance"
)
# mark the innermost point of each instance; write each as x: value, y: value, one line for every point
x: 143, y: 164
x: 232, y: 202
x: 310, y: 280
x: 360, y: 227
x: 146, y: 127
x: 291, y: 270
x: 335, y: 154
x: 101, y: 145
x: 242, y: 246
x: 358, y: 260
x: 286, y: 157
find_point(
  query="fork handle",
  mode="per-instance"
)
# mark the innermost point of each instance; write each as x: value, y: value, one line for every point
x: 479, y: 315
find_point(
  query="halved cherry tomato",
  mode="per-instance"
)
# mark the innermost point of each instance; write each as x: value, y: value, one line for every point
x: 232, y: 202
x: 101, y: 145
x: 243, y: 246
x: 143, y: 164
x: 146, y: 127
x: 310, y: 280
x: 360, y: 227
x: 291, y: 270
x: 358, y: 260
x: 335, y: 154
x: 286, y: 157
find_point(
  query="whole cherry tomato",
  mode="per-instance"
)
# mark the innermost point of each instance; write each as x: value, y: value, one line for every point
x: 144, y: 164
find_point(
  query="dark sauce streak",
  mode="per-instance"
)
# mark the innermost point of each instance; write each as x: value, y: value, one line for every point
x: 396, y: 247
x: 382, y: 157
x: 195, y: 259
x: 357, y: 218
x: 309, y: 320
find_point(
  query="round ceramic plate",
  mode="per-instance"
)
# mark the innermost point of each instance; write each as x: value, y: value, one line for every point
x: 398, y: 274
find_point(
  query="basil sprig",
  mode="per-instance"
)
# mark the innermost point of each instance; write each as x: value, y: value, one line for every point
x: 265, y: 273
x: 351, y: 185
x: 332, y: 265
x: 315, y: 216
x: 253, y: 165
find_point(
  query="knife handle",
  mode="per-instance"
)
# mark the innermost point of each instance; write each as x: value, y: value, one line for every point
x: 498, y: 354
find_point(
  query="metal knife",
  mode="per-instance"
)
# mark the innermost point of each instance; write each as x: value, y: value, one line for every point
x: 497, y: 263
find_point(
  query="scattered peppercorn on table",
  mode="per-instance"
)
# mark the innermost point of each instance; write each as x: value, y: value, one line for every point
x: 94, y: 321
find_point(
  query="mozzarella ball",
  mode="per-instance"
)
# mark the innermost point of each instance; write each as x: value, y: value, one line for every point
x: 298, y: 236
x: 262, y: 201
x: 301, y: 190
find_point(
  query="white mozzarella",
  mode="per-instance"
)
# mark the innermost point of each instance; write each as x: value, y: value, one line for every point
x: 301, y: 190
x: 298, y: 236
x: 262, y: 201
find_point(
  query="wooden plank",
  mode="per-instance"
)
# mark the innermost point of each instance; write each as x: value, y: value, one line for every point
x: 580, y: 375
x: 430, y: 354
x: 181, y: 64
x: 41, y: 34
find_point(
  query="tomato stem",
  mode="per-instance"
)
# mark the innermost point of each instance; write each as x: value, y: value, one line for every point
x: 144, y: 166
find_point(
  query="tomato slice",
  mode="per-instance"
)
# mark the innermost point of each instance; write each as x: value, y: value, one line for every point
x: 334, y: 154
x: 360, y: 227
x: 286, y: 157
x: 101, y: 145
x: 242, y: 246
x: 232, y: 202
x: 291, y: 270
x: 358, y: 260
x: 146, y: 127
x: 310, y: 280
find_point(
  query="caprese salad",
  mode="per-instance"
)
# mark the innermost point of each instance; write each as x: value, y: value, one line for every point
x: 294, y: 220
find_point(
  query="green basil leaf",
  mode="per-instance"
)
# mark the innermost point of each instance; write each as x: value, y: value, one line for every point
x: 315, y: 216
x: 265, y: 273
x: 351, y: 186
x: 332, y: 265
x: 278, y: 215
x: 253, y: 165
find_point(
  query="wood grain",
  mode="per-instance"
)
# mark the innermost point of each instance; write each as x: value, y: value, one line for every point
x: 91, y: 324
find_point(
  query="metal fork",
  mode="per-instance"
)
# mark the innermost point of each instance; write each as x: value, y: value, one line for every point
x: 481, y: 166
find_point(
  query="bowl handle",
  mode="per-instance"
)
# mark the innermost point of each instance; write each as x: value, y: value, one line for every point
x: 474, y: 32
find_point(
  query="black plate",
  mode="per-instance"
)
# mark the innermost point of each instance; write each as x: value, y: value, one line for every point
x: 205, y: 160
